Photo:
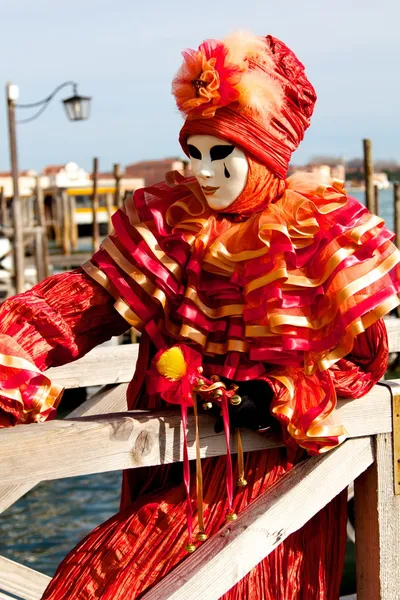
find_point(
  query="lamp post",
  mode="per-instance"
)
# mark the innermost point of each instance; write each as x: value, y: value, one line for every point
x: 77, y: 109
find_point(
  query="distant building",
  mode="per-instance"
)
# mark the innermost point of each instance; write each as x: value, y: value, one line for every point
x: 27, y: 183
x: 77, y: 184
x: 72, y: 177
x: 325, y: 173
x: 338, y: 172
x: 64, y: 176
x: 107, y: 179
x: 381, y: 180
x: 153, y: 171
x: 322, y: 171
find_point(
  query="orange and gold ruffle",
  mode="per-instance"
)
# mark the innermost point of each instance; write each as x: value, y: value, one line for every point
x: 290, y: 286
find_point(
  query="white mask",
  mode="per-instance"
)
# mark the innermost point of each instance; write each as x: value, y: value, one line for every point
x: 220, y: 168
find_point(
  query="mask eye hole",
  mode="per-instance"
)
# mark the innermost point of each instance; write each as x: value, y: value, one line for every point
x: 194, y: 152
x: 221, y: 152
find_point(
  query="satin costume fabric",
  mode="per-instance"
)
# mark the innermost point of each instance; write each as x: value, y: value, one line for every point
x: 63, y: 318
x: 281, y: 295
x: 132, y: 551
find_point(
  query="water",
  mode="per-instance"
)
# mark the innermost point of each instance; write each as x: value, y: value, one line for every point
x: 386, y: 205
x: 43, y: 526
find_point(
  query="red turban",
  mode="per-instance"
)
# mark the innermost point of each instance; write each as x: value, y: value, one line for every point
x: 249, y: 90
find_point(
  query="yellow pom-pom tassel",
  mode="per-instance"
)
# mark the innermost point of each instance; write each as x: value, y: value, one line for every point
x: 172, y: 364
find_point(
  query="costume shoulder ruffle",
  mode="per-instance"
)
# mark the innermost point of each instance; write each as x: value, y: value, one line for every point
x: 280, y: 295
x: 292, y: 285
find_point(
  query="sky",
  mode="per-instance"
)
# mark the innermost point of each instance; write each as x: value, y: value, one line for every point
x: 124, y: 53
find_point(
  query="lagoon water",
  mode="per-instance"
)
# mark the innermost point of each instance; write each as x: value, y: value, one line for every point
x: 41, y: 528
x: 44, y: 525
x: 386, y: 205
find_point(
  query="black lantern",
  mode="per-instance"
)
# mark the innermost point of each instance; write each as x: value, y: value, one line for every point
x: 77, y: 107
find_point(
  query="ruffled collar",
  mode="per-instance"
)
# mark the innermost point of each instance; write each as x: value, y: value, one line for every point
x: 296, y: 216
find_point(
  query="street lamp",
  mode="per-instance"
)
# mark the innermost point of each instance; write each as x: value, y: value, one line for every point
x: 77, y: 109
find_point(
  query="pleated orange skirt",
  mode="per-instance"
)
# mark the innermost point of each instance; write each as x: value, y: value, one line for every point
x: 124, y: 557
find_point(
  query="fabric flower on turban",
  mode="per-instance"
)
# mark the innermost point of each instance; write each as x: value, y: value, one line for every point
x: 221, y: 73
x: 206, y: 80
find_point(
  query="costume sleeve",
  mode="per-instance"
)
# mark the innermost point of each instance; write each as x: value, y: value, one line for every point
x: 359, y: 371
x: 305, y: 403
x: 55, y: 322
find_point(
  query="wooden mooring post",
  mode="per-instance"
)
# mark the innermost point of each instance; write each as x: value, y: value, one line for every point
x: 117, y: 176
x: 95, y: 206
x: 109, y: 207
x: 41, y: 249
x: 376, y: 199
x: 66, y: 223
x: 3, y: 207
x: 368, y: 176
x: 56, y: 215
x: 39, y: 255
x: 18, y: 229
x: 396, y: 200
x: 74, y: 224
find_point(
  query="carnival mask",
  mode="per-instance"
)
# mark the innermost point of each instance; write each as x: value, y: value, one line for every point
x: 220, y: 168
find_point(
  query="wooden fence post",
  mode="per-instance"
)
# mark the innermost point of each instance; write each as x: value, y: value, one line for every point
x: 16, y: 209
x: 377, y: 525
x: 74, y: 224
x: 66, y: 224
x: 117, y: 176
x: 109, y: 206
x: 3, y: 207
x: 58, y: 219
x: 30, y: 210
x: 376, y: 199
x: 396, y: 198
x: 39, y: 257
x: 368, y: 176
x: 95, y: 206
x: 42, y: 251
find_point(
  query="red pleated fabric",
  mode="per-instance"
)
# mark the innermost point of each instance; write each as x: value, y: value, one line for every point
x: 127, y: 555
x: 55, y: 322
x: 64, y: 317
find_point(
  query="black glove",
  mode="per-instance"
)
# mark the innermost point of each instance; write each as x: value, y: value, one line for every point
x: 253, y: 411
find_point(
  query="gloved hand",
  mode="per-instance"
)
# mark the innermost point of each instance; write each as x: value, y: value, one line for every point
x: 253, y: 411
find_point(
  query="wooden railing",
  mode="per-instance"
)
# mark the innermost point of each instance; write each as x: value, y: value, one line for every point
x: 110, y: 438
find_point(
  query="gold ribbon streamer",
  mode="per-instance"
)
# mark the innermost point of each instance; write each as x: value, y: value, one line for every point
x: 241, y: 481
x: 199, y: 474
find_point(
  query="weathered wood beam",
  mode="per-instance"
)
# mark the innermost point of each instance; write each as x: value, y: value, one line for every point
x: 4, y: 596
x: 229, y: 555
x: 11, y: 493
x: 377, y: 527
x: 108, y: 443
x: 109, y: 399
x: 368, y: 415
x: 22, y: 581
x: 393, y: 330
x: 103, y: 365
x: 143, y: 438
